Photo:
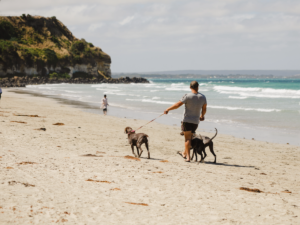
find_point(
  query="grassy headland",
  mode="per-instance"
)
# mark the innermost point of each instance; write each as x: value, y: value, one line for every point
x: 47, y: 45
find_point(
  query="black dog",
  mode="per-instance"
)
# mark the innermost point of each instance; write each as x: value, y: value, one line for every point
x: 199, y: 143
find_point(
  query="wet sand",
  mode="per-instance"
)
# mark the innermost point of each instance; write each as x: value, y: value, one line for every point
x: 78, y: 173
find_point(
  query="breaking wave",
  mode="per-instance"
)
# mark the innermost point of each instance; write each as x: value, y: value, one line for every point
x: 242, y: 108
x: 258, y: 92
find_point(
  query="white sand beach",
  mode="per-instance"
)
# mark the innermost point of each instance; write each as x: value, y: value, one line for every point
x: 46, y: 179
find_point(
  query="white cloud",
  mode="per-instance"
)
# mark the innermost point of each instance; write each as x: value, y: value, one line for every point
x: 127, y: 20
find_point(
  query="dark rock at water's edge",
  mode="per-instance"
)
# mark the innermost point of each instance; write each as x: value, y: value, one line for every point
x: 26, y: 80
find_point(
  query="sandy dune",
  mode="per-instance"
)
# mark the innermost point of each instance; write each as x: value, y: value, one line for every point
x: 45, y: 177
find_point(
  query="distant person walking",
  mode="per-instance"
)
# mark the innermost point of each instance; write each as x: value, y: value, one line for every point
x: 0, y: 92
x: 104, y: 105
x: 195, y: 103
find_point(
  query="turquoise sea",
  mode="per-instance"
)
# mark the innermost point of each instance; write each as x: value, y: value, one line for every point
x: 267, y: 110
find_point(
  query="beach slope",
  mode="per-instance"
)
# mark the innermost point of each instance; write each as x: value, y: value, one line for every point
x: 79, y: 172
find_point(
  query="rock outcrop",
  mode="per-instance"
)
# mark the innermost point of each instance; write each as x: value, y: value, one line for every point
x: 33, y: 45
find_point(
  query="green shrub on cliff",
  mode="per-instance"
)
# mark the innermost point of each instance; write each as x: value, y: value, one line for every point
x: 59, y: 75
x: 7, y: 47
x: 7, y: 30
x: 56, y: 41
x: 50, y: 55
x: 82, y: 49
x: 40, y: 56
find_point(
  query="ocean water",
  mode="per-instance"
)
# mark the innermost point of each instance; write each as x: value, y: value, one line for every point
x: 267, y: 110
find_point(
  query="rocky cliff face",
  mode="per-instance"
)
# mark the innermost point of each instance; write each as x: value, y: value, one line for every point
x: 40, y: 46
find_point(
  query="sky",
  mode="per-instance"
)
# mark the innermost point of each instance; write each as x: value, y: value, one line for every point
x: 165, y: 35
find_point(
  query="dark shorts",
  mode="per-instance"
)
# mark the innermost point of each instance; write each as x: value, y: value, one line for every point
x: 189, y: 127
x: 105, y: 109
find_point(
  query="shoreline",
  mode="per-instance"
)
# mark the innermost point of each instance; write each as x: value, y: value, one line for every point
x: 238, y: 130
x: 78, y: 173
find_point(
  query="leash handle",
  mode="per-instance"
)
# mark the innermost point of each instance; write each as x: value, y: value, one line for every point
x: 148, y: 122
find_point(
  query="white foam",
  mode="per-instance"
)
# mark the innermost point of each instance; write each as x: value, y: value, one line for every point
x: 237, y: 97
x: 164, y: 86
x: 72, y: 96
x: 245, y: 109
x: 177, y: 84
x: 48, y: 88
x: 234, y: 89
x: 158, y: 102
x: 74, y: 91
x: 112, y: 93
x: 177, y: 89
x: 220, y: 121
x: 105, y: 86
x: 151, y: 101
x: 259, y: 92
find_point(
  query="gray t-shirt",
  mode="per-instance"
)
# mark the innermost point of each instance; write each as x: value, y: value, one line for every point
x: 193, y: 105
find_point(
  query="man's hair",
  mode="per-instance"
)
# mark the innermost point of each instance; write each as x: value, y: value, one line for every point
x: 194, y: 85
x: 104, y: 95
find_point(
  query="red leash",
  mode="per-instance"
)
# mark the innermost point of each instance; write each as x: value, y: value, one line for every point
x: 148, y: 123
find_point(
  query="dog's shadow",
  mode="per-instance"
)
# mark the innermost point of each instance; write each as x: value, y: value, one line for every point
x: 225, y: 164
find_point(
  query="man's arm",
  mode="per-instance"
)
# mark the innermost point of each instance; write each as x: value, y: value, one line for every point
x: 203, y: 111
x: 175, y: 106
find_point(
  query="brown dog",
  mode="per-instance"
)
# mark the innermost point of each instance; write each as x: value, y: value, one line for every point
x: 137, y: 140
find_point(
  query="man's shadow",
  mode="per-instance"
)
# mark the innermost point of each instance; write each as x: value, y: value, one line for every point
x: 225, y: 164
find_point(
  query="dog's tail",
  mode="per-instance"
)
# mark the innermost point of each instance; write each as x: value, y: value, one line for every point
x: 146, y: 138
x: 215, y: 134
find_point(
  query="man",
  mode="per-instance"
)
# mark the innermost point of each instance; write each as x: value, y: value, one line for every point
x: 0, y: 92
x: 194, y: 103
x: 104, y: 105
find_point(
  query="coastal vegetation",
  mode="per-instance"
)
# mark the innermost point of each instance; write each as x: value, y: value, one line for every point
x: 55, y: 75
x: 46, y: 45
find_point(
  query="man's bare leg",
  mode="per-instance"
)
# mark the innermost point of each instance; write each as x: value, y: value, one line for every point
x: 187, y: 145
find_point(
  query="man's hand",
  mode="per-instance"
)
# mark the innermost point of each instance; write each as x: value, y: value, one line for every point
x: 203, y: 112
x: 166, y: 111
